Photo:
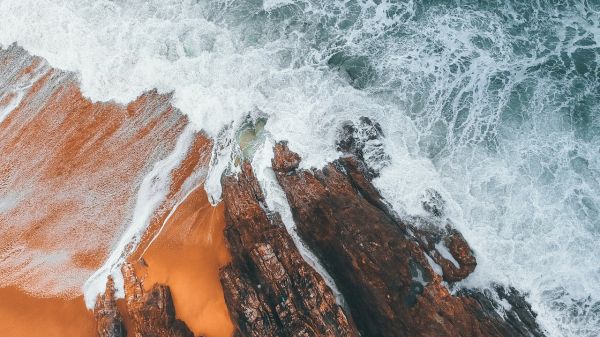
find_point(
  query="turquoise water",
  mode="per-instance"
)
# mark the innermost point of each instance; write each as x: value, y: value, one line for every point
x: 504, y: 100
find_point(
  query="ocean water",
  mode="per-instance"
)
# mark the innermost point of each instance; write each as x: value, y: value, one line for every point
x: 494, y: 104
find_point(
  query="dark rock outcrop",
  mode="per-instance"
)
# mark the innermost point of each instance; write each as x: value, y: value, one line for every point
x: 150, y: 313
x: 519, y: 314
x: 383, y: 266
x: 364, y: 139
x: 108, y: 317
x: 269, y: 289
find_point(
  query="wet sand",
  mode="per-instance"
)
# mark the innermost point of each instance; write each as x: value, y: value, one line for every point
x: 187, y: 256
x: 69, y: 172
x: 71, y: 169
x: 23, y: 315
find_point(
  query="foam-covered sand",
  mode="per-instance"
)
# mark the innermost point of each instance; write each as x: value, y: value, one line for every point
x: 70, y: 173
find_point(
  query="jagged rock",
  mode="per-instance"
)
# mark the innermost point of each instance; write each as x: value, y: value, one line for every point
x: 364, y: 140
x: 269, y: 289
x: 449, y: 249
x: 380, y: 263
x: 152, y: 312
x: 519, y: 315
x: 108, y: 318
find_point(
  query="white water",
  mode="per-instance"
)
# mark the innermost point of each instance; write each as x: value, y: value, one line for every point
x: 495, y: 107
x: 13, y: 92
x: 151, y: 194
x: 277, y: 202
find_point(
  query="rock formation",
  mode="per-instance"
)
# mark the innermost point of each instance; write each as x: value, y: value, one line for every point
x: 150, y: 313
x: 269, y: 289
x: 85, y: 162
x: 392, y: 272
x: 108, y: 318
x: 382, y: 264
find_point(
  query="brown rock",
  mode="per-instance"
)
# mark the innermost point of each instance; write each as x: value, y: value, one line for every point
x: 380, y: 263
x: 108, y: 318
x: 433, y: 239
x: 461, y: 252
x: 152, y: 312
x: 148, y: 313
x: 269, y: 289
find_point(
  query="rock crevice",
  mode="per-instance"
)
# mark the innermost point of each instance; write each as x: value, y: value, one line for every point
x: 269, y: 289
x: 149, y: 313
x: 381, y: 264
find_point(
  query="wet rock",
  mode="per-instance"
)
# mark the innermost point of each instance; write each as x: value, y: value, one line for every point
x: 287, y: 162
x: 269, y: 289
x: 447, y: 248
x: 364, y: 139
x: 381, y: 264
x: 516, y: 311
x: 151, y: 312
x: 433, y: 203
x: 108, y: 317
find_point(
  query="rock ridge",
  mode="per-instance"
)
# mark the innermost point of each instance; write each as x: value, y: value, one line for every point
x: 384, y: 266
x: 149, y: 313
x: 269, y: 289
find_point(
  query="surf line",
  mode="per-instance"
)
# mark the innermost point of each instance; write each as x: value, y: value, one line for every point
x: 151, y: 194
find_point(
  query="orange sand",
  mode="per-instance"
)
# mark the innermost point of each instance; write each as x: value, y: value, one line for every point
x: 23, y: 315
x: 76, y: 166
x: 70, y: 170
x: 187, y: 256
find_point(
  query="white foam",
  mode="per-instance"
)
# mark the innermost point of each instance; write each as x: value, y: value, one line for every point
x: 274, y: 4
x: 14, y: 92
x: 436, y: 267
x: 9, y: 201
x: 11, y: 105
x: 221, y: 160
x: 277, y: 202
x: 443, y: 250
x: 152, y: 192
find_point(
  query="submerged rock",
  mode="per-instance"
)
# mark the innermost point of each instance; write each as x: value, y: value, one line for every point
x: 269, y: 289
x: 364, y: 140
